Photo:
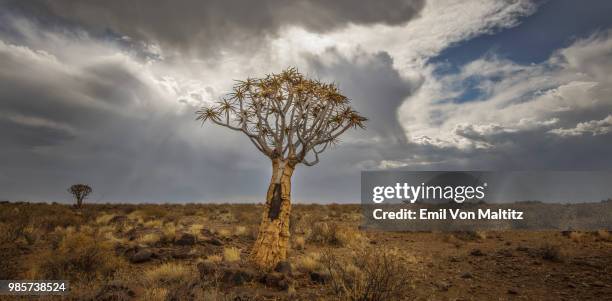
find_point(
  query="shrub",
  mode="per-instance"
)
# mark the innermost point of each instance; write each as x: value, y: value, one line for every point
x: 169, y: 232
x: 196, y: 230
x: 308, y: 262
x: 78, y: 256
x: 231, y: 254
x: 168, y: 274
x: 333, y: 234
x: 368, y: 276
x: 240, y: 231
x: 551, y: 252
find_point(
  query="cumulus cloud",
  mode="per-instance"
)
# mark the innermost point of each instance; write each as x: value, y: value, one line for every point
x: 593, y: 127
x: 567, y: 95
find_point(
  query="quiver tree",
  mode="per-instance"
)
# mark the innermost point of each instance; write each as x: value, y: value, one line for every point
x: 79, y: 192
x: 291, y: 119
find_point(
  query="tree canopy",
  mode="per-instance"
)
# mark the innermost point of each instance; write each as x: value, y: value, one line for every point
x: 286, y: 116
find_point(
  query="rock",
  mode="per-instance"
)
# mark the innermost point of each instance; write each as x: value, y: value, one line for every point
x: 272, y: 278
x: 283, y: 267
x: 319, y: 277
x: 278, y: 280
x: 466, y: 275
x: 237, y: 276
x: 186, y: 240
x: 512, y: 291
x: 214, y: 241
x: 115, y: 291
x: 477, y: 252
x: 141, y: 256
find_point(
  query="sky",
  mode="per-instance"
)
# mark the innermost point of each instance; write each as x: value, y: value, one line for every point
x: 104, y: 92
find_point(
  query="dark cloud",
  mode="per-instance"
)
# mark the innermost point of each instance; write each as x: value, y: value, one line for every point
x: 373, y: 85
x: 193, y: 26
x: 103, y: 124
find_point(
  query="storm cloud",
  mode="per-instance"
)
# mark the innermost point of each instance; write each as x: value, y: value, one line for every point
x: 205, y: 27
x: 105, y: 93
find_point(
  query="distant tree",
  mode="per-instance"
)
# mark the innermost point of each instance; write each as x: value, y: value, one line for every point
x: 79, y: 192
x: 291, y: 119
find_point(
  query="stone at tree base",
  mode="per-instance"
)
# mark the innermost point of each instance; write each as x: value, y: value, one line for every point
x: 283, y: 267
x: 236, y: 276
x: 278, y: 280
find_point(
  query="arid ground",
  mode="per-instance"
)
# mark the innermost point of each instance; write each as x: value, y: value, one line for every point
x: 201, y: 252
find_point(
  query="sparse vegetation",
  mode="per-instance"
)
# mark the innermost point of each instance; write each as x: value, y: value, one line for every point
x: 551, y: 252
x: 132, y: 252
x: 79, y: 255
x: 369, y: 275
x: 231, y: 254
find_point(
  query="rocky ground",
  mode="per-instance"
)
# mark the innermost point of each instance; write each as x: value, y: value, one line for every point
x: 200, y: 252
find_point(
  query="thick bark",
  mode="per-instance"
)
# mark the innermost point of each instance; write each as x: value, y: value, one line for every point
x: 273, y: 237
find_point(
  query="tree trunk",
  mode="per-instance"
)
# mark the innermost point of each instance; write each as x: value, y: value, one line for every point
x: 79, y: 203
x: 273, y: 237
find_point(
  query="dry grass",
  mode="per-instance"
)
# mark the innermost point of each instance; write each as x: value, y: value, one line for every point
x: 169, y: 231
x: 241, y: 231
x: 308, y: 263
x: 104, y: 219
x: 156, y: 223
x: 334, y: 234
x: 155, y: 294
x: 196, y: 230
x: 214, y: 258
x: 149, y: 238
x: 299, y: 242
x: 223, y: 232
x: 368, y: 275
x: 576, y: 236
x: 79, y: 255
x: 231, y: 254
x: 168, y: 274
